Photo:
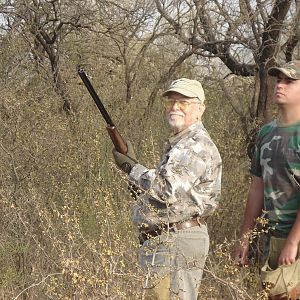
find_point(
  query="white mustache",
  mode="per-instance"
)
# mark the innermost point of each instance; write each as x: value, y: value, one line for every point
x: 176, y: 114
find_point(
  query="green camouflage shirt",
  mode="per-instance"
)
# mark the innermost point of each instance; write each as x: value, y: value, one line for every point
x: 277, y: 161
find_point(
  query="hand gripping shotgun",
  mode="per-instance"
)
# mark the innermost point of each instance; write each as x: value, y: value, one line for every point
x: 115, y: 136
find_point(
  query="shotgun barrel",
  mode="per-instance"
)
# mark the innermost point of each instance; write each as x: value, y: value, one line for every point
x: 114, y: 134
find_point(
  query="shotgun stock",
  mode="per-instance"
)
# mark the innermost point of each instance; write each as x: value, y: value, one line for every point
x: 114, y: 134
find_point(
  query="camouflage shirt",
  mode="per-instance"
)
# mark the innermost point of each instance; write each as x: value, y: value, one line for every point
x: 186, y: 182
x: 277, y: 161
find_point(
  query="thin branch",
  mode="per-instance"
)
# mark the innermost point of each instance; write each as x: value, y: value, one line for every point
x: 238, y: 292
x: 166, y: 76
x: 37, y: 284
x: 294, y: 38
x: 14, y: 168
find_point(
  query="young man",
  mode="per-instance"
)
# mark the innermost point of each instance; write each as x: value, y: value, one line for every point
x: 275, y: 186
x: 175, y: 197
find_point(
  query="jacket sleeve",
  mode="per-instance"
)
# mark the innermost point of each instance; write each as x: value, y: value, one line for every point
x: 188, y: 175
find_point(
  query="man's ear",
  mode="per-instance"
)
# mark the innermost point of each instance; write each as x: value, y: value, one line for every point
x: 201, y: 111
x: 202, y: 108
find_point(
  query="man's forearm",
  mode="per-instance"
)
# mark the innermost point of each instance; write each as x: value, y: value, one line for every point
x: 254, y: 205
x: 253, y: 210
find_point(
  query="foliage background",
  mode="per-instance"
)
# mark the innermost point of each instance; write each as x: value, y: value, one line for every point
x: 65, y: 221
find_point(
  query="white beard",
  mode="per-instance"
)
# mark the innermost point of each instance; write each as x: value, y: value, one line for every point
x: 176, y: 121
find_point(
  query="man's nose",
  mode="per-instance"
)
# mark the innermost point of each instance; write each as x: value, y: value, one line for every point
x: 281, y: 83
x: 175, y: 106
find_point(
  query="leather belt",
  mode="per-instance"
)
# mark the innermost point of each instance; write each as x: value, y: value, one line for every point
x: 146, y: 235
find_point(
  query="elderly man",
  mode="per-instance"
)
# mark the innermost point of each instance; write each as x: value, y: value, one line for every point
x: 275, y: 188
x: 175, y: 197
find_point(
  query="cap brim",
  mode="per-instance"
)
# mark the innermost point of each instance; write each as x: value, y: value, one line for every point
x: 275, y: 71
x: 180, y: 91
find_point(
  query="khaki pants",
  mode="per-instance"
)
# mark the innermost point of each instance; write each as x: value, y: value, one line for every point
x: 281, y: 282
x: 174, y: 263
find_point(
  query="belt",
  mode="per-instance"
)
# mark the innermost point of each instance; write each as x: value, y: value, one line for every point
x: 146, y: 235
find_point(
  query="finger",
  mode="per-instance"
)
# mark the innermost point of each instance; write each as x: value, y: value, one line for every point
x: 285, y: 261
x: 116, y: 153
x: 290, y: 261
x: 238, y: 262
x: 240, y: 259
x: 130, y: 150
x: 236, y: 252
x: 129, y: 146
x: 237, y: 259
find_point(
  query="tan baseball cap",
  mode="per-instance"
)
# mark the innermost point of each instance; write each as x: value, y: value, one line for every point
x: 290, y: 69
x: 187, y: 87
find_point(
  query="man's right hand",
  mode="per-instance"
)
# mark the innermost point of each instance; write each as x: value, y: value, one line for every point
x: 241, y: 252
x: 125, y: 161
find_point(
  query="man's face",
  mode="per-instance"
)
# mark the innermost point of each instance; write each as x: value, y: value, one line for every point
x: 182, y: 111
x: 287, y: 91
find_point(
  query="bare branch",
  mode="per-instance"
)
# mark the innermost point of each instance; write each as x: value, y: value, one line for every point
x: 37, y: 284
x: 168, y: 75
x: 294, y: 37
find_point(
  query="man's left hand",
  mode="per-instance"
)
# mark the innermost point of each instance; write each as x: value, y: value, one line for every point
x: 288, y: 254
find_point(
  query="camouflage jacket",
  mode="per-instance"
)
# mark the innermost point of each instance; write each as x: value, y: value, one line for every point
x: 185, y: 183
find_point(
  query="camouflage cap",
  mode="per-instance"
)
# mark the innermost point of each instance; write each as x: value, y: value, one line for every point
x: 290, y: 69
x: 187, y: 87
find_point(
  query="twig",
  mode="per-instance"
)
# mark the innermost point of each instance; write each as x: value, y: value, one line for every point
x: 36, y: 284
x: 228, y: 284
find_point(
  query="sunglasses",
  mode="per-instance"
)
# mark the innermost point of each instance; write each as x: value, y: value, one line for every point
x: 181, y: 104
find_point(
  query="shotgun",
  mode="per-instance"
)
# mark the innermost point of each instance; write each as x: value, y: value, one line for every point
x: 114, y: 134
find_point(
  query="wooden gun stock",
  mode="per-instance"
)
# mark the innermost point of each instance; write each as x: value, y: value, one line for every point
x: 117, y: 139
